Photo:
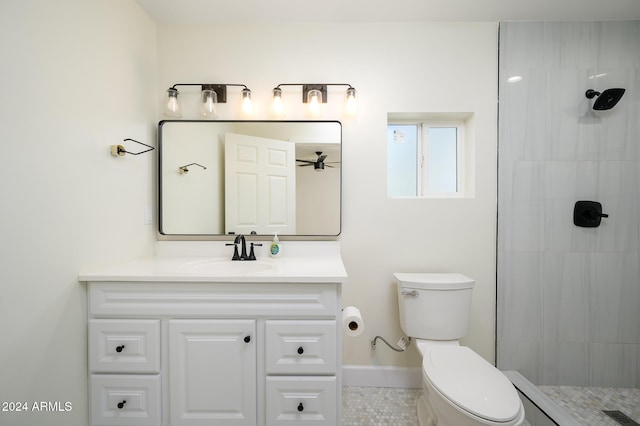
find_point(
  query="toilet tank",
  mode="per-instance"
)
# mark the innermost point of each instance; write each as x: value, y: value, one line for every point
x: 434, y: 306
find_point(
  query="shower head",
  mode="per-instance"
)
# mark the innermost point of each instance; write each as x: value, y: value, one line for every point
x: 606, y: 100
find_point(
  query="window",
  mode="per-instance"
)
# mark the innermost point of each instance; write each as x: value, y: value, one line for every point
x: 425, y: 158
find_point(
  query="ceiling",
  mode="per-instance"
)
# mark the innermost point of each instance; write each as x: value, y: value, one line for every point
x: 303, y: 11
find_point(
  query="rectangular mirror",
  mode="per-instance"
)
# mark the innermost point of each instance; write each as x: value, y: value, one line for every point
x: 244, y: 177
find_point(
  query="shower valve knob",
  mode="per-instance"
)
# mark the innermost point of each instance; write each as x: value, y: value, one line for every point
x: 588, y: 214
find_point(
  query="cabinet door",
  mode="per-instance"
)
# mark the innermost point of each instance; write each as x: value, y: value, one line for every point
x: 212, y: 372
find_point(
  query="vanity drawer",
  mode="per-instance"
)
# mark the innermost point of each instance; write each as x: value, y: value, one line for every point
x: 300, y: 400
x: 124, y: 346
x: 301, y: 347
x: 204, y: 300
x: 125, y: 400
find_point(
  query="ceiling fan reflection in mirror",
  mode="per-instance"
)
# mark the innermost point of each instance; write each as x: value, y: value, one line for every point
x: 319, y: 164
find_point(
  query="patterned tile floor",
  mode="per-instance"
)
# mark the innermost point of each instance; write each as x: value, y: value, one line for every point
x: 397, y: 407
x: 379, y: 406
x: 586, y: 404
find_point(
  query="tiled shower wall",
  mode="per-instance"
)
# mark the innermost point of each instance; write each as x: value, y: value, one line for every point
x: 568, y: 306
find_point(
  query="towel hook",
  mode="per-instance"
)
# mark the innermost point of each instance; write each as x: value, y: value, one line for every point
x: 184, y: 169
x: 118, y: 150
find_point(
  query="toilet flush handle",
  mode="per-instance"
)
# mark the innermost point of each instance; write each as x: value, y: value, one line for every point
x: 412, y: 293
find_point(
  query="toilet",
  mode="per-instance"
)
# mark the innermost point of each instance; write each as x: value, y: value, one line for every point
x: 460, y: 388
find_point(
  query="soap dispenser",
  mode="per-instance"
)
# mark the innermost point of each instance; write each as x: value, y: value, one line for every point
x: 274, y: 248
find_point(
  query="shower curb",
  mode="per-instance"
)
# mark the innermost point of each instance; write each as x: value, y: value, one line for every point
x: 542, y: 402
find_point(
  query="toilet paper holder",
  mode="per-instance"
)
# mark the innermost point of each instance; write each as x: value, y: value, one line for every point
x: 352, y: 322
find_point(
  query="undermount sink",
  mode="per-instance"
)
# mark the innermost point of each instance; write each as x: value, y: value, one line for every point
x: 228, y: 267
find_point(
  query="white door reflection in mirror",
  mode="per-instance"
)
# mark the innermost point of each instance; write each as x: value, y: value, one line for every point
x: 260, y: 189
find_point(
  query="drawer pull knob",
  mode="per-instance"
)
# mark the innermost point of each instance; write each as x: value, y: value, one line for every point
x: 300, y: 350
x: 300, y: 407
x: 121, y: 404
x: 247, y: 339
x: 119, y: 348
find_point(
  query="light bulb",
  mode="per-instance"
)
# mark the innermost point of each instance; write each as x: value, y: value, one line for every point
x: 277, y: 107
x: 173, y: 108
x: 209, y: 98
x: 351, y: 104
x: 247, y: 103
x: 314, y: 99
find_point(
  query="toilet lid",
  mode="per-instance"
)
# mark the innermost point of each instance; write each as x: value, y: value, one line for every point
x: 470, y: 382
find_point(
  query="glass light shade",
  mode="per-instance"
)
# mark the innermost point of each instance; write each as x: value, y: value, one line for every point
x: 314, y: 101
x: 351, y: 103
x: 277, y: 106
x: 247, y: 103
x: 173, y: 107
x: 208, y: 101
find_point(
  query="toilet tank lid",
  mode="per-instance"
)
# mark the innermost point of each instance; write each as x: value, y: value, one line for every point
x: 434, y: 281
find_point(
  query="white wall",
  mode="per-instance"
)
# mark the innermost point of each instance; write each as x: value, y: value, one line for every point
x: 77, y: 76
x: 429, y: 67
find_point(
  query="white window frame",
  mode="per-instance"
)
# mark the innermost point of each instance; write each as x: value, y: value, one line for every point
x: 425, y: 144
x: 423, y: 153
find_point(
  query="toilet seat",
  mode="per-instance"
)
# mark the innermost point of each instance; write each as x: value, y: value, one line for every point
x: 471, y: 383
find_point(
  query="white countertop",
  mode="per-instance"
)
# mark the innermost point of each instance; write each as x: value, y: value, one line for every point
x: 186, y: 262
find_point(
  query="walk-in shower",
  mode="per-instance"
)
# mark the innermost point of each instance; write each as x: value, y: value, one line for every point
x: 568, y: 291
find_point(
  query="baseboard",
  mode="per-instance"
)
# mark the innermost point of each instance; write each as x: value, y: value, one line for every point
x: 381, y: 377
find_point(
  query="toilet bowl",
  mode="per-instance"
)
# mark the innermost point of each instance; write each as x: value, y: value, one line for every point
x: 460, y: 388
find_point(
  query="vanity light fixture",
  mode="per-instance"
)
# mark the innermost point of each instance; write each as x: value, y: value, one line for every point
x: 277, y: 107
x: 210, y: 95
x: 247, y: 103
x: 315, y: 101
x: 184, y: 169
x: 208, y: 101
x: 173, y: 107
x: 351, y: 103
x: 314, y: 95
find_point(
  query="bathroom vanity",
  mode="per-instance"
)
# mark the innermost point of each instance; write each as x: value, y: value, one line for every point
x: 203, y: 340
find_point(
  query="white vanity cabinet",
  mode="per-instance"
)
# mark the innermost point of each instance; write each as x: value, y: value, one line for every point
x: 168, y: 353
